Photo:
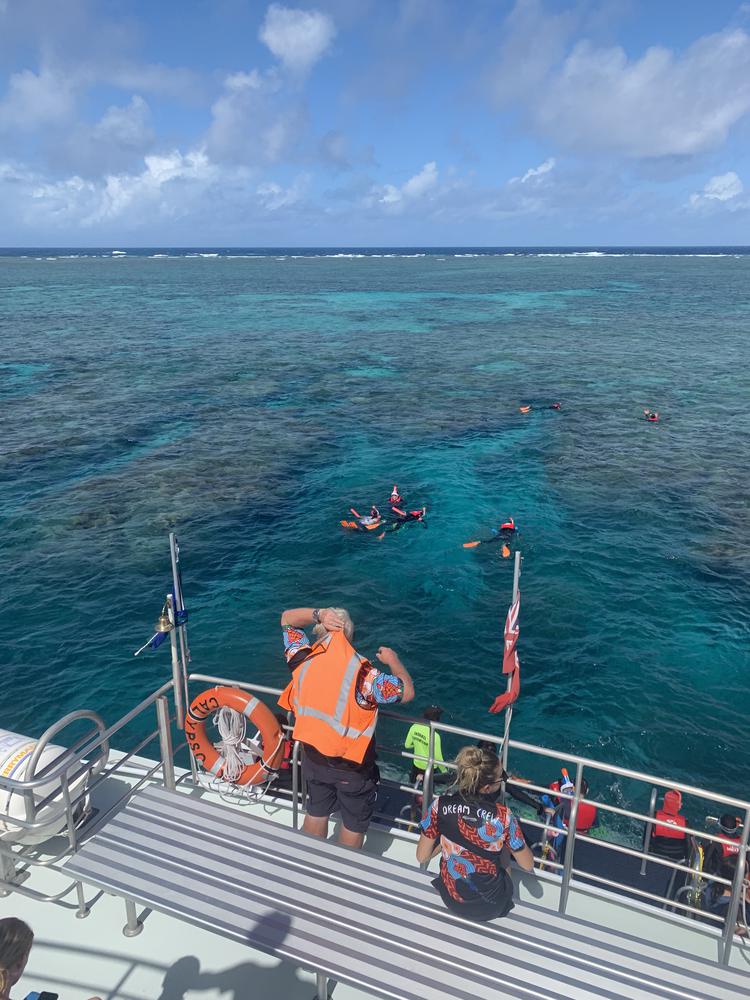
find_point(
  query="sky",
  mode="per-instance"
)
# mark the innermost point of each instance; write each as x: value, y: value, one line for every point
x: 374, y: 123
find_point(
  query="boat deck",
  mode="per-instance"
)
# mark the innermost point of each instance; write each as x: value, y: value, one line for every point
x: 172, y: 960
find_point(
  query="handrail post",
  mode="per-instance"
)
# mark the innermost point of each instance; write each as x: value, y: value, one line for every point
x: 738, y: 887
x: 649, y: 826
x: 570, y: 841
x: 295, y: 785
x: 428, y: 772
x: 165, y: 742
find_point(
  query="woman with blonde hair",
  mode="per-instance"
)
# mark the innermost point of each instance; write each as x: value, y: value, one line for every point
x: 477, y: 836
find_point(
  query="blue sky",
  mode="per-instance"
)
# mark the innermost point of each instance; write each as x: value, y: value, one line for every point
x: 374, y: 122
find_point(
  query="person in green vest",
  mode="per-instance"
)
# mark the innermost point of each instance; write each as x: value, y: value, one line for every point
x: 418, y: 742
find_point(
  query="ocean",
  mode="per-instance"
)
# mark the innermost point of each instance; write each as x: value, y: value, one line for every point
x: 247, y: 399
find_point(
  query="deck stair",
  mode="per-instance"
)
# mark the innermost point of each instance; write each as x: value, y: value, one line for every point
x: 371, y: 922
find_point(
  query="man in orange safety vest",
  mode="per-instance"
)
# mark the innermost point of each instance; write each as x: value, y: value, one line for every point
x: 334, y: 694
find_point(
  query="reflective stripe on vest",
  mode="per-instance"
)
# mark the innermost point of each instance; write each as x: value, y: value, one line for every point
x: 322, y: 694
x: 335, y: 721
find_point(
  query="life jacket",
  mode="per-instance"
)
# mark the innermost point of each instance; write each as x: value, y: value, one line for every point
x: 669, y: 822
x: 322, y: 695
x: 586, y: 816
x: 730, y: 851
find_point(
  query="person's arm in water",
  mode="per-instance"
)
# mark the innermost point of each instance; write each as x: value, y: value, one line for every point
x: 390, y: 658
x: 302, y: 617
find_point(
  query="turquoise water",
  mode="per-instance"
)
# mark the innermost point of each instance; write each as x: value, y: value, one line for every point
x: 248, y: 401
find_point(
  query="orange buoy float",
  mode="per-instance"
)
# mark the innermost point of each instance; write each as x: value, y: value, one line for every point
x: 524, y: 409
x: 244, y: 702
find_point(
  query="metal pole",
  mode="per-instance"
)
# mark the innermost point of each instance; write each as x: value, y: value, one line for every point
x: 509, y: 709
x: 321, y: 986
x: 69, y: 820
x: 174, y: 551
x: 428, y: 772
x: 516, y: 575
x: 738, y: 887
x: 177, y: 675
x: 647, y: 835
x: 295, y: 785
x: 133, y: 927
x: 83, y: 910
x: 570, y: 841
x: 165, y: 742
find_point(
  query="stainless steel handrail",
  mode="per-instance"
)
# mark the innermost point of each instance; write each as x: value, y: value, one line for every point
x: 50, y: 775
x: 567, y: 870
x: 581, y: 762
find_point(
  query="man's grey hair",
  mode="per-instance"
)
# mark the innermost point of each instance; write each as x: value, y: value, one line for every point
x: 320, y: 630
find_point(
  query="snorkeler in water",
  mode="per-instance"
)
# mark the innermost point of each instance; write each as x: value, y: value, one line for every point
x: 366, y: 523
x: 651, y: 415
x: 395, y: 500
x: 404, y: 517
x: 503, y: 534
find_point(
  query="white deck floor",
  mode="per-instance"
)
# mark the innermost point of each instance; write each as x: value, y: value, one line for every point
x: 172, y: 960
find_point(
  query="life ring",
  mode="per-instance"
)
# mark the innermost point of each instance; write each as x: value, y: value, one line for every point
x: 203, y: 750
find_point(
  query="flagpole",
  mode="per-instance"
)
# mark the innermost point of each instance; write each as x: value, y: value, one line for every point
x: 179, y: 633
x: 509, y: 709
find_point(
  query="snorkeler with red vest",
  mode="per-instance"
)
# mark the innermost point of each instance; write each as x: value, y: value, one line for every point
x: 395, y: 499
x: 502, y: 534
x: 403, y: 517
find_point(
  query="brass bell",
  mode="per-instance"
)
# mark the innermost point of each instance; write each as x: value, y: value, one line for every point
x: 163, y: 624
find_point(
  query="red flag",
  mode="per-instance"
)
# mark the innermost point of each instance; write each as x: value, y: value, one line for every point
x: 508, y: 697
x: 510, y: 660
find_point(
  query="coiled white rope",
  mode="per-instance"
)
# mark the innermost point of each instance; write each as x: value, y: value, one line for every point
x: 232, y: 726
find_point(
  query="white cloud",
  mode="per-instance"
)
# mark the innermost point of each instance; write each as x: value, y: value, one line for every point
x: 167, y: 186
x: 36, y: 99
x: 273, y: 196
x: 660, y: 104
x: 722, y: 189
x: 298, y: 38
x: 534, y: 173
x: 415, y: 188
x: 118, y: 141
x: 252, y: 121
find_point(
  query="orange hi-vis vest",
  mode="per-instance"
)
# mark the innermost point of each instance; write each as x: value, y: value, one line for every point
x: 322, y: 695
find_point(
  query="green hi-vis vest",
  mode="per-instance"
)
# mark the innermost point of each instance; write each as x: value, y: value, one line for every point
x: 418, y: 741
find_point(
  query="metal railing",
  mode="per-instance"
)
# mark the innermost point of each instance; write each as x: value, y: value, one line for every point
x: 87, y: 753
x: 65, y: 809
x: 566, y: 872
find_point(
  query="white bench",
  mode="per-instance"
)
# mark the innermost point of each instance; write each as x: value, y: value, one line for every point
x: 367, y: 921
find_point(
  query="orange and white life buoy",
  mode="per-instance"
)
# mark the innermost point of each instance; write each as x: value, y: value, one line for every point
x: 244, y: 702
